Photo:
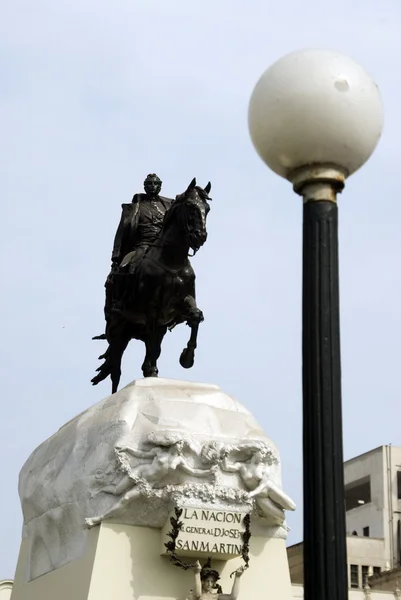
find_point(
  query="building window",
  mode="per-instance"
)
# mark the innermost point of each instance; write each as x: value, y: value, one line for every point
x: 377, y: 571
x: 399, y: 485
x: 354, y: 572
x: 365, y: 574
x: 366, y: 532
x: 357, y: 493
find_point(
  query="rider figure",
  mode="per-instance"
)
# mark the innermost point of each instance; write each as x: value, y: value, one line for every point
x: 140, y: 224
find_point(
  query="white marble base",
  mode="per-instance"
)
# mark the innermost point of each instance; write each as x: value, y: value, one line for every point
x: 130, y: 457
x: 124, y: 562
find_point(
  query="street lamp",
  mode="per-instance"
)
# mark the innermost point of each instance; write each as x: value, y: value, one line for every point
x: 315, y: 117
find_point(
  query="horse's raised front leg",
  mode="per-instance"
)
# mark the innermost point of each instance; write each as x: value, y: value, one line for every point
x: 194, y: 317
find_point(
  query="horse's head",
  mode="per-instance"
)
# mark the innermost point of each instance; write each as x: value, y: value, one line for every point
x: 194, y: 210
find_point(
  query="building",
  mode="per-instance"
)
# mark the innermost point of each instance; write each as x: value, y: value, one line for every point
x: 373, y: 499
x: 373, y: 519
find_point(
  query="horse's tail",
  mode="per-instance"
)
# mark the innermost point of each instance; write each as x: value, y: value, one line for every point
x: 104, y: 370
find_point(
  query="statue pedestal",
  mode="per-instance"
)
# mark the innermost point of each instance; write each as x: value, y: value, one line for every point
x: 124, y: 562
x: 121, y: 467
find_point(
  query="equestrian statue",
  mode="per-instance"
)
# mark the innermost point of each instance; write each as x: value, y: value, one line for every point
x: 151, y: 285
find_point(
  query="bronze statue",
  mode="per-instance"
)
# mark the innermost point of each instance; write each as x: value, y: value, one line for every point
x: 151, y: 287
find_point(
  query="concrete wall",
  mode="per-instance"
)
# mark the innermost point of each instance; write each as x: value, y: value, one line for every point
x: 394, y: 465
x: 375, y: 513
x: 361, y: 551
x: 295, y: 555
x: 384, y: 511
x: 366, y: 551
x: 387, y: 581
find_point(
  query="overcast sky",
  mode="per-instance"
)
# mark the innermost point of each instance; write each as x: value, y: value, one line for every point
x: 95, y: 95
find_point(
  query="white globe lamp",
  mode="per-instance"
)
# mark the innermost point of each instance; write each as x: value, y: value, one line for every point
x: 315, y: 114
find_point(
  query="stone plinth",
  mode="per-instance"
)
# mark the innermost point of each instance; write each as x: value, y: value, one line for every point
x: 96, y: 495
x: 123, y: 562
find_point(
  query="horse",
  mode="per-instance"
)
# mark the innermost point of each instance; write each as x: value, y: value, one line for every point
x: 160, y: 293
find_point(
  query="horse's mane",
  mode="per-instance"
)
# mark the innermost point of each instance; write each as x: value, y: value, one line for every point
x: 204, y: 195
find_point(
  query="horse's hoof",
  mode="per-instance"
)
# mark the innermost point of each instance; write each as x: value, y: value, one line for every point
x: 195, y: 318
x: 187, y: 358
x: 150, y: 373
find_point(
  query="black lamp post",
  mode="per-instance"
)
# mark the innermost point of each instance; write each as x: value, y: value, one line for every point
x: 315, y: 117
